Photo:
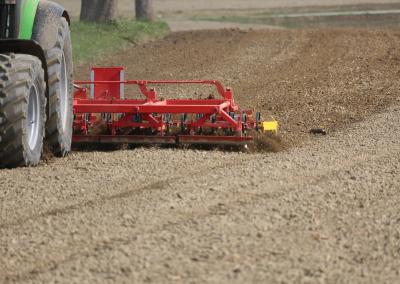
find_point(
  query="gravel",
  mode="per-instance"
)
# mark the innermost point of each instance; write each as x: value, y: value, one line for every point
x: 324, y: 210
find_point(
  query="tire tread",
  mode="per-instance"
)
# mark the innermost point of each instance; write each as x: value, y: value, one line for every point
x: 16, y: 71
x: 54, y: 130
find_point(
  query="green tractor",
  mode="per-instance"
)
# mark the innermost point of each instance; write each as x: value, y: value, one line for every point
x: 36, y: 83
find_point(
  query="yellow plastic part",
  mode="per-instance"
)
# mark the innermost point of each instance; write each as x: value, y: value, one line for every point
x: 270, y: 126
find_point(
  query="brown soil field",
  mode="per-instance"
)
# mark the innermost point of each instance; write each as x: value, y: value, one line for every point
x: 325, y: 210
x: 303, y: 78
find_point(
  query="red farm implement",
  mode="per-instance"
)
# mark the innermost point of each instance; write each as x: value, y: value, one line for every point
x: 152, y: 120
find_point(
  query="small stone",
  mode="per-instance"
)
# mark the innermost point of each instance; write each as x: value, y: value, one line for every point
x: 318, y: 131
x: 126, y: 216
x: 237, y: 270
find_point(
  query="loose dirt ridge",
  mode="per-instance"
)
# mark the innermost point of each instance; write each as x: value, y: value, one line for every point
x: 325, y: 210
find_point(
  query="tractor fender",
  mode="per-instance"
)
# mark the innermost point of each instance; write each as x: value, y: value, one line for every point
x: 45, y: 27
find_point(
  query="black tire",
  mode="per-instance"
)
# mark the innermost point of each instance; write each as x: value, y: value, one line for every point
x: 22, y: 110
x: 59, y: 123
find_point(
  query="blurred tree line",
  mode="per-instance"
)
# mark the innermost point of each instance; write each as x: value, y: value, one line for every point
x: 106, y: 10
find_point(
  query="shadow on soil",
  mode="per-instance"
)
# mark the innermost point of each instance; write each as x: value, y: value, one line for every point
x: 263, y: 143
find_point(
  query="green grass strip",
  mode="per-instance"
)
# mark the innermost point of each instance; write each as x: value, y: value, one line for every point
x: 91, y: 40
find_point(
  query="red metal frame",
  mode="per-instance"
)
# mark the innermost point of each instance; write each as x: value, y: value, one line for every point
x: 150, y: 113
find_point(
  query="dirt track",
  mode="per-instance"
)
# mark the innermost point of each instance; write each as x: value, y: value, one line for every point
x: 326, y: 210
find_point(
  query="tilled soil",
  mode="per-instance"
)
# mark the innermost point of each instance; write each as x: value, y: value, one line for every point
x: 303, y: 78
x: 324, y: 210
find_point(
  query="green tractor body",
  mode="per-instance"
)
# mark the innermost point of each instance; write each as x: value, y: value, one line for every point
x: 27, y: 18
x: 35, y: 81
x: 17, y: 19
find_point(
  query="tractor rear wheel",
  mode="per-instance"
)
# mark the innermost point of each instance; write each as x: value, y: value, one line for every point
x: 22, y: 110
x: 59, y: 64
